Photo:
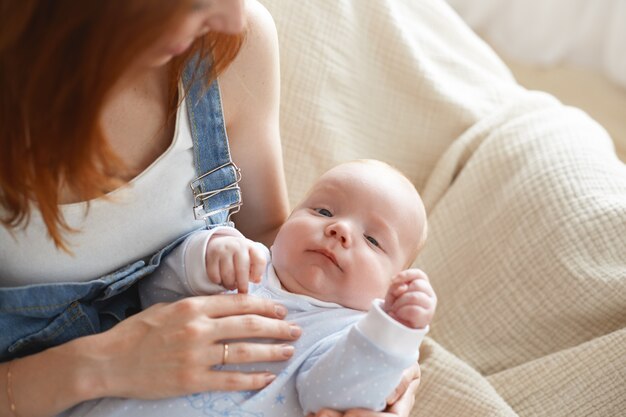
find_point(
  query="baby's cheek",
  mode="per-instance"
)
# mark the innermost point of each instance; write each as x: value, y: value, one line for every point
x: 369, y: 291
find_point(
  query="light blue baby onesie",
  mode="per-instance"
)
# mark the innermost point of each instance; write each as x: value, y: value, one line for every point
x: 344, y: 358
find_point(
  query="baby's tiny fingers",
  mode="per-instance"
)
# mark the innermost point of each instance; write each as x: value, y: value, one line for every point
x: 242, y: 268
x: 420, y: 285
x: 258, y: 263
x: 399, y: 289
x: 213, y: 271
x: 414, y: 316
x: 234, y: 381
x: 227, y: 273
x: 394, y: 291
x: 415, y: 298
x: 409, y: 275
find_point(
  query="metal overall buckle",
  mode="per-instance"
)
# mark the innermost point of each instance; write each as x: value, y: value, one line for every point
x: 199, y: 198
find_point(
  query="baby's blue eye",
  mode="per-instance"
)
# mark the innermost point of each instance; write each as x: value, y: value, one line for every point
x: 324, y: 212
x: 372, y: 241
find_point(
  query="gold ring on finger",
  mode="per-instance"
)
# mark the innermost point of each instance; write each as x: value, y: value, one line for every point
x: 225, y: 353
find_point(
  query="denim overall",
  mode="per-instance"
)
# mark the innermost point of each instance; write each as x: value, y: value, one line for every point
x: 36, y: 317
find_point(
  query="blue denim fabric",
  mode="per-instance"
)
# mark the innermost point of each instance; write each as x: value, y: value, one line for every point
x: 36, y: 317
x: 217, y: 187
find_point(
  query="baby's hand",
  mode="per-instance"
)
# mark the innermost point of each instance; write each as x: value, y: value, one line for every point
x: 410, y: 299
x: 232, y: 261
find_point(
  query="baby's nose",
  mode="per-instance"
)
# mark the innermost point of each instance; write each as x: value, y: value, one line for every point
x: 341, y: 232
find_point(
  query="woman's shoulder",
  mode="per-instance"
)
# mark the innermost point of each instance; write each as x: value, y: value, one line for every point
x: 259, y: 18
x: 254, y: 74
x: 261, y: 44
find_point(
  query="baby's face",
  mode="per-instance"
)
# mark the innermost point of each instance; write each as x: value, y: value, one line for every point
x: 358, y: 227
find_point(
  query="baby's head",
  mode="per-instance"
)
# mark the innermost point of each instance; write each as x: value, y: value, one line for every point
x: 361, y: 223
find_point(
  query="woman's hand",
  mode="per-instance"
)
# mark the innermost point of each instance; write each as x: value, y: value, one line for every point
x: 170, y: 349
x: 399, y: 403
x: 164, y: 351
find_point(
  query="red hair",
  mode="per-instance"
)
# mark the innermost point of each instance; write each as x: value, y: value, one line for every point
x: 58, y: 61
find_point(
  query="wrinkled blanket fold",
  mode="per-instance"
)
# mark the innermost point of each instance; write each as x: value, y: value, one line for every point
x: 527, y: 252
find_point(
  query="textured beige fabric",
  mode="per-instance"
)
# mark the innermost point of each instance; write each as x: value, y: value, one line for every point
x: 529, y: 239
x: 365, y: 79
x: 526, y: 200
x: 450, y: 387
x: 587, y: 380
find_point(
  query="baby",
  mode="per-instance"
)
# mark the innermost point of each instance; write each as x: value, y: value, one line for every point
x: 344, y: 250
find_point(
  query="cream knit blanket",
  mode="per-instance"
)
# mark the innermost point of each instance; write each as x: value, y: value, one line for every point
x: 526, y: 200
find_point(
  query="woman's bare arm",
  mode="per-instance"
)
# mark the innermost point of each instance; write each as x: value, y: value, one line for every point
x: 251, y: 96
x: 58, y: 378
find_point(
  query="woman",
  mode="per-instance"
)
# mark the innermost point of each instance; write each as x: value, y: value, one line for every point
x: 97, y: 159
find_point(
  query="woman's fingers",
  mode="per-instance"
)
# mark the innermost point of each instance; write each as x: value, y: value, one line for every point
x: 225, y: 305
x: 404, y: 405
x: 229, y: 381
x: 408, y: 377
x: 247, y: 326
x: 400, y: 389
x: 252, y: 352
x: 235, y: 316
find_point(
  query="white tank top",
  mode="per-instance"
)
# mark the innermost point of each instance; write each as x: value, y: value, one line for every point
x: 140, y: 218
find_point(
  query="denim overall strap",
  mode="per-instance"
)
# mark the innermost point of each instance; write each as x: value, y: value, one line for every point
x: 216, y: 191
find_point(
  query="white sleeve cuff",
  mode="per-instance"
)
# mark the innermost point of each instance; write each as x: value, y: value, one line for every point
x: 388, y: 334
x: 195, y: 260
